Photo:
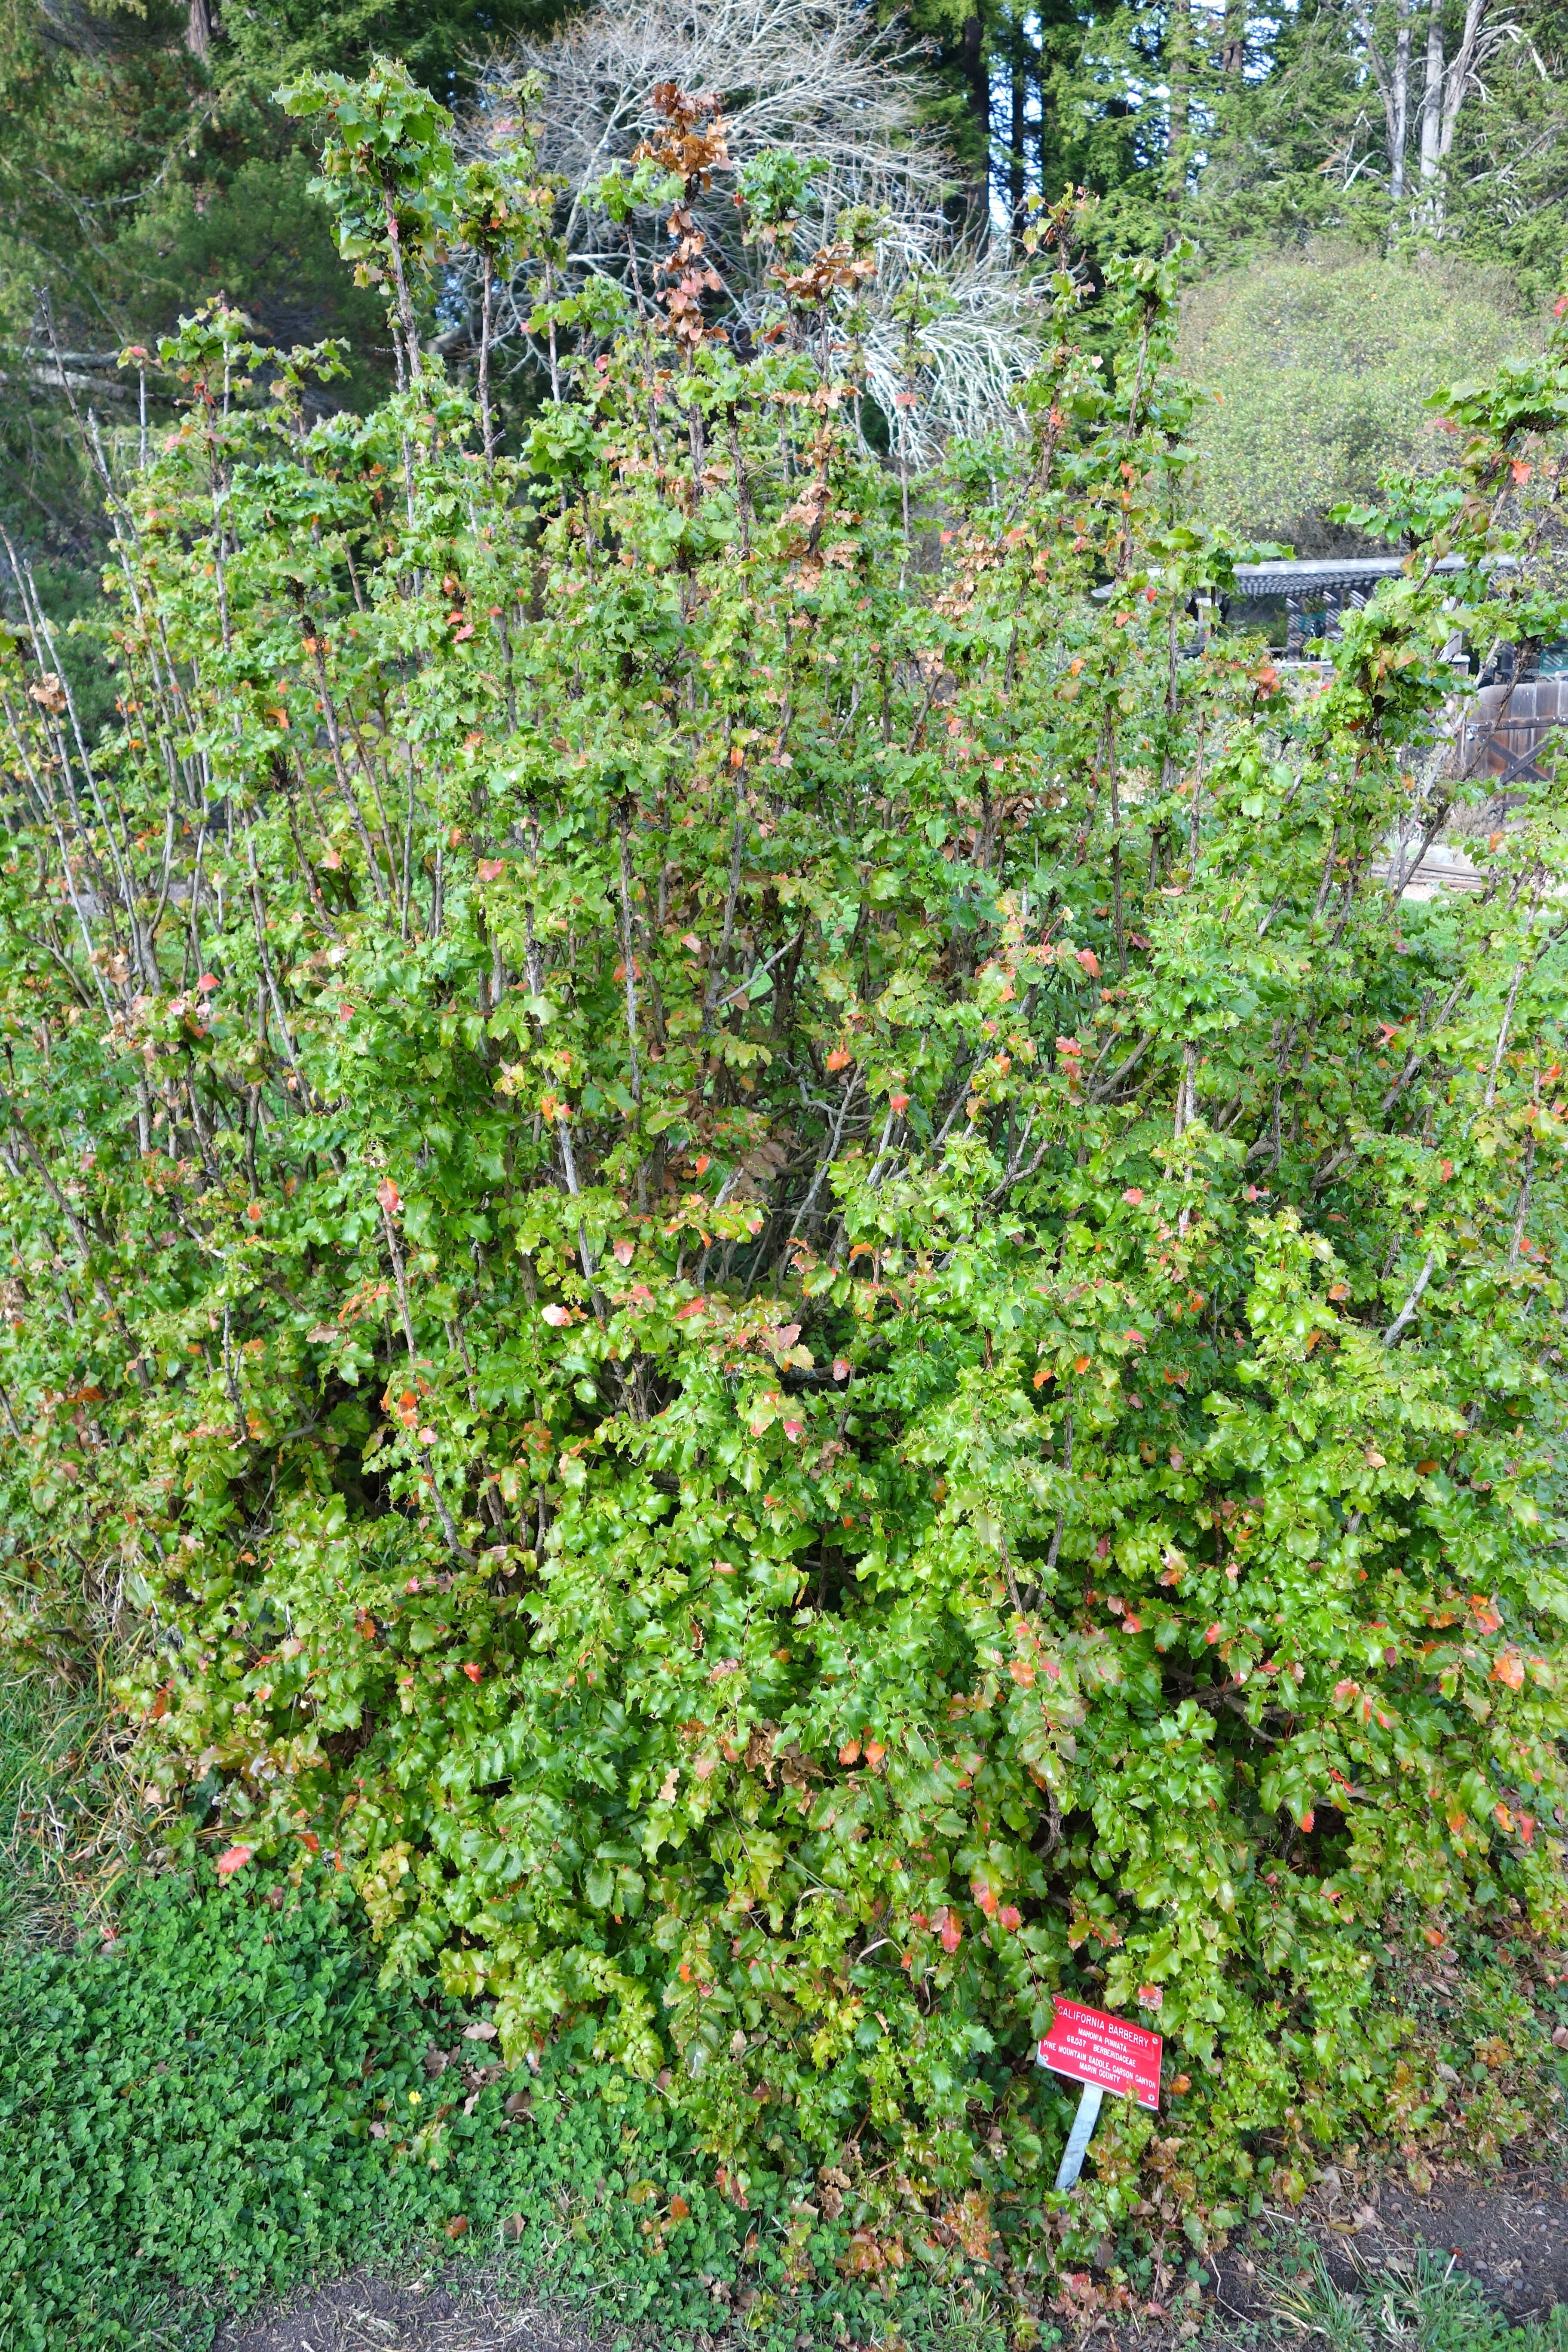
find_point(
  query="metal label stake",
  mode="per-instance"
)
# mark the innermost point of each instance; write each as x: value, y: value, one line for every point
x: 1083, y: 2122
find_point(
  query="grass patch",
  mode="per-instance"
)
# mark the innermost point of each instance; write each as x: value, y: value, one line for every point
x: 1424, y: 2305
x: 52, y: 1765
x: 223, y: 2100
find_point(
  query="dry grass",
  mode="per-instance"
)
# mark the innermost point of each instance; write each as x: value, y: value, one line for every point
x: 69, y: 1811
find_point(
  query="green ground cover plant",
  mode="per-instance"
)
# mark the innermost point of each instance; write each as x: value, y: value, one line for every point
x: 747, y: 1246
x: 221, y: 2099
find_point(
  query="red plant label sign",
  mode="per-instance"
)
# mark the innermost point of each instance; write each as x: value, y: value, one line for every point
x: 1094, y: 2047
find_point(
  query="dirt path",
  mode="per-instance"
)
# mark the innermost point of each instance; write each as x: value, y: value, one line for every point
x: 365, y: 2313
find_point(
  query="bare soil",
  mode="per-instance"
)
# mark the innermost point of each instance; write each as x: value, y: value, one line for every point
x: 1508, y: 2232
x: 432, y: 2314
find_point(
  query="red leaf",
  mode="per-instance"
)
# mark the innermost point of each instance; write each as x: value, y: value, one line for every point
x: 475, y: 1674
x: 387, y: 1194
x: 235, y: 1859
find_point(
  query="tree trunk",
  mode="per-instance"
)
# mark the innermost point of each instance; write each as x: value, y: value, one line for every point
x: 1016, y: 183
x: 1432, y: 97
x: 1399, y: 126
x: 978, y: 80
x: 1178, y: 75
x: 1232, y: 42
x: 1441, y: 98
x: 1459, y: 74
x: 199, y: 30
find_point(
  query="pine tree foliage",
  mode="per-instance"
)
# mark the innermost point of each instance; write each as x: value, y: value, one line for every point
x: 144, y: 170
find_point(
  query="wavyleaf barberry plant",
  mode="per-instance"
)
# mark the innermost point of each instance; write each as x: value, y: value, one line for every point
x: 747, y: 1240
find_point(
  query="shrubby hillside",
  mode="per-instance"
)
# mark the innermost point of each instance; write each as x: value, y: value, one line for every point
x: 1320, y: 367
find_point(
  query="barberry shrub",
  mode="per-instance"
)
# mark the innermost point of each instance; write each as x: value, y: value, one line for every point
x: 748, y: 1242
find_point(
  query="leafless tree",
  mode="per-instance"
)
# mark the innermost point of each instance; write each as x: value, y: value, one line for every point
x: 1447, y: 80
x: 816, y: 76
